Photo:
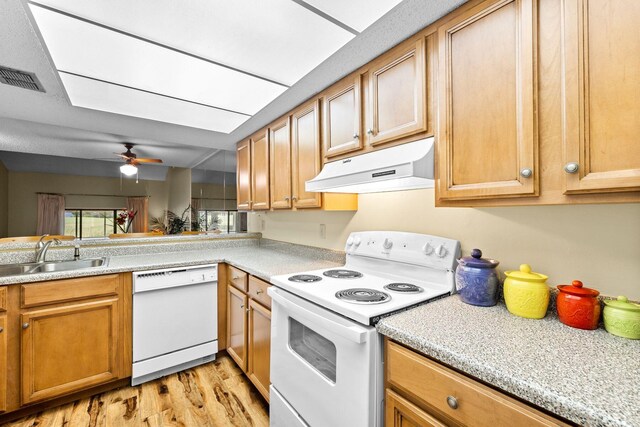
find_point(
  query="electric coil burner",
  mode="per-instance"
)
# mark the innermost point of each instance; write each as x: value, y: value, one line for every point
x: 342, y: 274
x: 406, y: 288
x: 363, y: 296
x: 305, y: 278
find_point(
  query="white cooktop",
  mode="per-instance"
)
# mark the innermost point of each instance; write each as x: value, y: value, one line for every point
x: 383, y: 258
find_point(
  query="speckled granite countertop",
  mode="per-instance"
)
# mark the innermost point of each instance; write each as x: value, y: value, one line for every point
x: 264, y: 260
x: 589, y: 377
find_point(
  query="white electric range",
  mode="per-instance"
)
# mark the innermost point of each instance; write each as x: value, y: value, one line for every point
x: 326, y: 356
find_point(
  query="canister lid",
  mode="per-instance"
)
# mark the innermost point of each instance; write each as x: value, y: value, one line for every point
x: 525, y: 273
x: 476, y: 260
x: 623, y: 303
x: 578, y: 289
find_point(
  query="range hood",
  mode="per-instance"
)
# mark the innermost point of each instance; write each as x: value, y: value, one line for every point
x: 403, y: 167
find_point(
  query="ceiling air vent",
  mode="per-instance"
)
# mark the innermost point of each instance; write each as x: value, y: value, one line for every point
x: 18, y: 78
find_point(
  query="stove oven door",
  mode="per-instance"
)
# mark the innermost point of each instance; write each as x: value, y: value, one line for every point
x: 327, y: 368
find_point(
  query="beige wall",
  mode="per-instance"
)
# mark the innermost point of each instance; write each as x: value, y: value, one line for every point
x: 598, y: 244
x: 4, y: 199
x: 24, y: 186
x: 179, y: 189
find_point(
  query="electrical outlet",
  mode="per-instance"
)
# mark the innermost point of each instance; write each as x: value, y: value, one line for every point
x: 323, y: 231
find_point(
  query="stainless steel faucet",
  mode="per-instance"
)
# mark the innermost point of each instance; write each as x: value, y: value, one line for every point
x: 43, y: 247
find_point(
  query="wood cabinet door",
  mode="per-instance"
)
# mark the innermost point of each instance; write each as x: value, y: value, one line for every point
x: 237, y: 326
x: 342, y: 118
x: 69, y: 348
x: 397, y: 97
x: 602, y: 95
x: 280, y: 142
x: 243, y: 175
x: 3, y: 363
x: 487, y: 137
x: 399, y: 412
x: 259, y: 347
x: 307, y: 161
x: 260, y: 171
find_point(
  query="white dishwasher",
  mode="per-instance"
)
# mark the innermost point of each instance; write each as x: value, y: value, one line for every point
x: 175, y: 320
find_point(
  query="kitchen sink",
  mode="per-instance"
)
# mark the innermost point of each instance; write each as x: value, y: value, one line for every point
x: 51, y: 266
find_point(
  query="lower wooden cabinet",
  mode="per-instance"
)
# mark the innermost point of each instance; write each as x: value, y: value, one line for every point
x: 422, y: 392
x: 66, y: 336
x: 69, y: 348
x: 3, y: 363
x: 259, y: 347
x: 249, y: 329
x: 237, y: 326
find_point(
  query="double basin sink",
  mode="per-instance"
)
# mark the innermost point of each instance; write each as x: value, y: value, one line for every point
x: 51, y: 266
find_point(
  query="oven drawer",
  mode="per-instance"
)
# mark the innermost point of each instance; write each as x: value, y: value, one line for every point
x: 433, y: 385
x: 258, y: 291
x: 238, y: 278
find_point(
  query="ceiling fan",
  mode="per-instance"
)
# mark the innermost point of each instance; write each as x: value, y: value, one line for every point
x: 130, y: 166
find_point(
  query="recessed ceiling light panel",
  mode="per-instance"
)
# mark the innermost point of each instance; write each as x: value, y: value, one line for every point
x: 115, y: 99
x: 90, y: 50
x: 276, y: 39
x: 358, y: 14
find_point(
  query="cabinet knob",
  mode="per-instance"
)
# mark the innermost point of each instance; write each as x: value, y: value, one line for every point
x: 259, y: 291
x: 1, y: 329
x: 294, y: 198
x: 25, y: 325
x: 286, y: 199
x: 571, y: 167
x: 526, y: 173
x: 356, y: 136
x: 370, y: 131
x: 452, y: 402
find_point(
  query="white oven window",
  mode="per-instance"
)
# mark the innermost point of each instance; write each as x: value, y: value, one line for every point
x: 315, y: 349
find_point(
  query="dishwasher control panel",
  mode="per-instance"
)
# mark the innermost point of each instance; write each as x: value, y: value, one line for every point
x: 173, y: 277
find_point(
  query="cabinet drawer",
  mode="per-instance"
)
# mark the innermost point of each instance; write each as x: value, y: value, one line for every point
x: 431, y: 384
x: 258, y: 291
x: 238, y: 278
x: 3, y: 298
x: 69, y: 290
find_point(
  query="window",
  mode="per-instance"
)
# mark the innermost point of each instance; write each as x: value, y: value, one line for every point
x: 225, y: 221
x: 90, y: 223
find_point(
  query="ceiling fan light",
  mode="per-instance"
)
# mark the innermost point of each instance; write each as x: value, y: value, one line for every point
x: 128, y: 169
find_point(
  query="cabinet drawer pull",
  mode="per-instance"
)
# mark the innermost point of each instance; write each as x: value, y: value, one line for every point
x: 356, y: 136
x: 25, y: 325
x: 259, y: 291
x: 571, y: 167
x: 294, y: 198
x: 452, y: 402
x: 1, y: 329
x: 526, y: 173
x: 286, y: 199
x: 370, y: 131
x: 242, y: 306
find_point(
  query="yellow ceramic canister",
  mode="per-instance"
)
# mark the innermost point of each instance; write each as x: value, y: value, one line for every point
x: 526, y: 293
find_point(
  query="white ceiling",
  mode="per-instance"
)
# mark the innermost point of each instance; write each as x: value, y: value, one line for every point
x: 30, y: 112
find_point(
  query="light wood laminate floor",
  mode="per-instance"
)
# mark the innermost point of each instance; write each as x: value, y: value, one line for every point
x: 215, y: 394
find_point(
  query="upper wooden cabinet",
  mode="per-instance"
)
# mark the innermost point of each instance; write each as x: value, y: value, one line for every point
x: 601, y: 95
x: 396, y: 106
x: 307, y: 161
x: 280, y: 142
x: 342, y: 117
x: 260, y: 171
x: 243, y: 174
x: 487, y: 141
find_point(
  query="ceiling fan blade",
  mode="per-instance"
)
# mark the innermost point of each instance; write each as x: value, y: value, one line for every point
x: 143, y: 160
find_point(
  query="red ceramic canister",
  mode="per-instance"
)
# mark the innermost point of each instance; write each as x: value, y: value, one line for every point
x: 577, y: 306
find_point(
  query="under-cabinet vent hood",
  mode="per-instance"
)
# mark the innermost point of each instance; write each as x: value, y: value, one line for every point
x: 403, y: 167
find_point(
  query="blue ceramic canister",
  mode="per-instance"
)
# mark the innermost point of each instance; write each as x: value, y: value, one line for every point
x: 477, y: 280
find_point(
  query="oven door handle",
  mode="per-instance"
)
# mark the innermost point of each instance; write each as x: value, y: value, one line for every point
x: 353, y: 333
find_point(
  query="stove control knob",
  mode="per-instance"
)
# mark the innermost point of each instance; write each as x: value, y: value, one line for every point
x: 350, y: 241
x: 441, y: 251
x: 388, y: 244
x: 357, y: 241
x: 427, y: 249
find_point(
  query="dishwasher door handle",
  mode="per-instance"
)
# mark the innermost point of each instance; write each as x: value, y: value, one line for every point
x: 353, y: 333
